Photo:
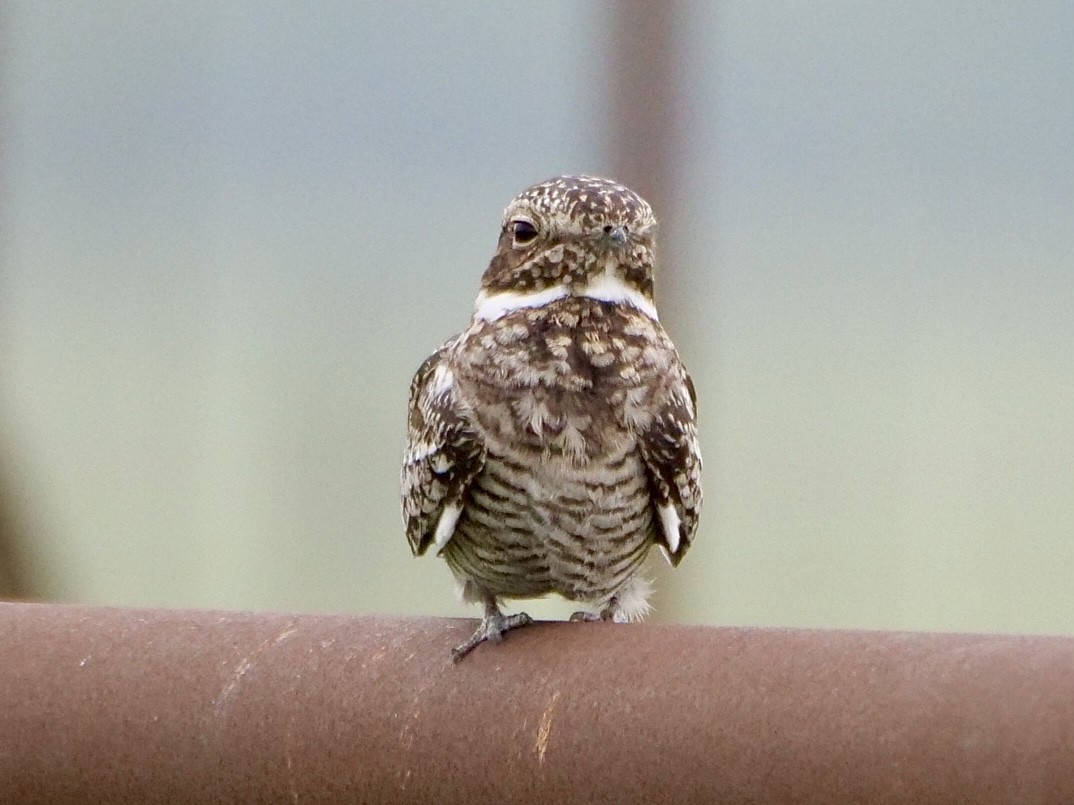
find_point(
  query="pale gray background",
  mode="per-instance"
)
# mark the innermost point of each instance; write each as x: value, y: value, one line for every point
x: 231, y: 232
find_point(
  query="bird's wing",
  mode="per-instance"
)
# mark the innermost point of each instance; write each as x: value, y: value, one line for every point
x: 443, y: 455
x: 672, y: 456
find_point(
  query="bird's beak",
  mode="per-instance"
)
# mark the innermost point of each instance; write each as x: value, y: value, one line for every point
x: 618, y: 235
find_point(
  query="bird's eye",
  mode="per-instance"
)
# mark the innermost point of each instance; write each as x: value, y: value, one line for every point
x: 524, y: 232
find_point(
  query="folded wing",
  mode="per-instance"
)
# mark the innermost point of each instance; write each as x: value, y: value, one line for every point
x: 443, y: 456
x: 672, y: 456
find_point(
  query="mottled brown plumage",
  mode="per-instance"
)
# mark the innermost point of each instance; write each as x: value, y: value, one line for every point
x: 553, y: 442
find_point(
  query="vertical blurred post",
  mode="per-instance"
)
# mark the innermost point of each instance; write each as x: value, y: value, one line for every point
x: 646, y: 61
x: 12, y: 577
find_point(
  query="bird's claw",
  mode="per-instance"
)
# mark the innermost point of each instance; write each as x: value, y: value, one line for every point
x: 492, y: 628
x: 582, y: 616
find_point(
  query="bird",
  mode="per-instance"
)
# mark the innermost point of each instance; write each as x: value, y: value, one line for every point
x: 553, y: 442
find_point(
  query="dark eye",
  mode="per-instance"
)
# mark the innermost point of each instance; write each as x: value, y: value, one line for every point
x: 523, y: 231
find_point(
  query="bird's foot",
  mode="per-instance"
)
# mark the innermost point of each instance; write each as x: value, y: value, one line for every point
x: 582, y: 616
x: 493, y: 627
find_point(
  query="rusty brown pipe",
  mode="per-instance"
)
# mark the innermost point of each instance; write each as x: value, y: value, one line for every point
x: 125, y: 705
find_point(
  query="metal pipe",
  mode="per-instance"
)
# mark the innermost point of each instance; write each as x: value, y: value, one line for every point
x: 125, y: 705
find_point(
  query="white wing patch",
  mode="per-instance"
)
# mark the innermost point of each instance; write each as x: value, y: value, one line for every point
x: 445, y: 526
x: 441, y: 381
x: 669, y: 521
x: 420, y: 452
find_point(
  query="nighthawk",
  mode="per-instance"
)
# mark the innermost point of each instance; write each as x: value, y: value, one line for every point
x: 553, y: 441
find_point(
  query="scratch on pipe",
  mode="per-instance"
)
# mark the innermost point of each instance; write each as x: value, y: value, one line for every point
x: 220, y: 703
x: 245, y: 664
x: 289, y: 758
x: 544, y: 729
x: 286, y: 633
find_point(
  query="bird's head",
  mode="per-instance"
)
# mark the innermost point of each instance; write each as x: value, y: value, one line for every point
x: 571, y: 236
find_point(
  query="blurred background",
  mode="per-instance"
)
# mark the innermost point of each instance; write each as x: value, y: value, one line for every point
x: 231, y: 232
